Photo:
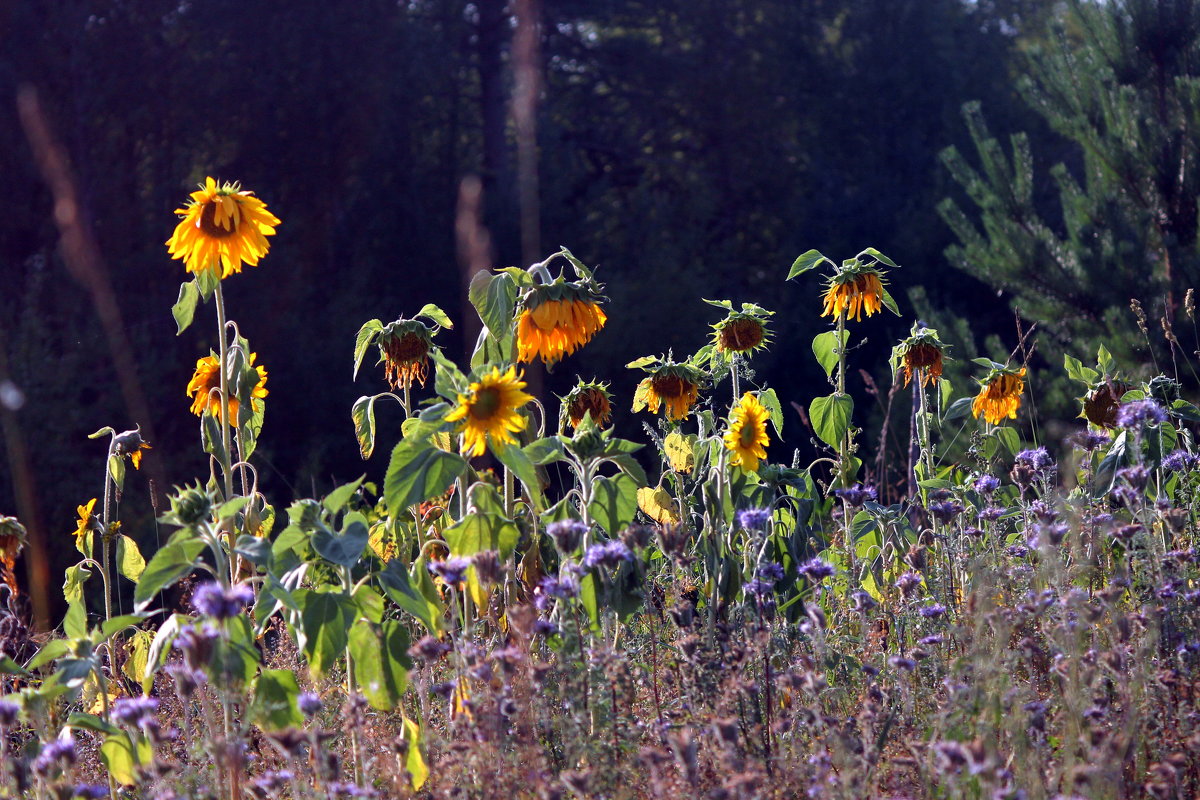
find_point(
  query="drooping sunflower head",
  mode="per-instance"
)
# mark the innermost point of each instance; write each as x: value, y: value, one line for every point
x: 556, y: 319
x: 206, y: 382
x: 586, y: 398
x: 741, y: 331
x: 999, y: 394
x: 12, y: 541
x: 1101, y: 403
x: 922, y: 354
x: 221, y: 228
x: 491, y: 407
x: 404, y: 347
x: 131, y: 444
x: 670, y: 386
x: 853, y: 290
x: 746, y: 436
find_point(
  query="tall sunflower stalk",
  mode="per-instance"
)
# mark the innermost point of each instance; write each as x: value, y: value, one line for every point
x: 855, y: 286
x: 221, y: 228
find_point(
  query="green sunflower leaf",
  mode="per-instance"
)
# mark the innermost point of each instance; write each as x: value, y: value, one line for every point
x: 435, y: 315
x: 184, y: 310
x: 831, y: 417
x: 827, y: 346
x: 417, y: 472
x: 805, y: 262
x: 362, y: 340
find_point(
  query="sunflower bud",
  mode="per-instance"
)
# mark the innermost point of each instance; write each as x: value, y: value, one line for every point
x: 190, y: 506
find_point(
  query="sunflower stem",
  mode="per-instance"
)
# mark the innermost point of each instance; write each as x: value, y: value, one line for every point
x: 105, y: 514
x: 844, y: 454
x: 223, y: 421
x: 733, y: 377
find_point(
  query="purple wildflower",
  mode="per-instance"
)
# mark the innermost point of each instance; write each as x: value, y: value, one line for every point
x: 211, y: 600
x: 1090, y: 440
x: 987, y: 484
x: 9, y: 713
x: 60, y: 752
x: 607, y: 554
x: 945, y: 511
x: 991, y: 513
x: 309, y: 703
x: 902, y: 663
x: 856, y: 495
x: 544, y: 627
x: 90, y: 791
x: 1037, y: 458
x: 908, y: 582
x: 452, y: 570
x: 1140, y: 412
x: 134, y: 711
x: 196, y: 644
x: 758, y: 588
x: 816, y: 570
x: 770, y: 571
x: 862, y: 600
x: 1180, y: 460
x: 932, y: 611
x: 563, y: 588
x: 567, y: 534
x: 1137, y: 476
x: 931, y: 641
x: 754, y: 519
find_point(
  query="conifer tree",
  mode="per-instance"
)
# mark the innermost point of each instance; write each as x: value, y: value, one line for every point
x: 1120, y: 81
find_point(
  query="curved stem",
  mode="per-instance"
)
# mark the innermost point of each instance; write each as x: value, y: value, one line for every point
x: 223, y: 417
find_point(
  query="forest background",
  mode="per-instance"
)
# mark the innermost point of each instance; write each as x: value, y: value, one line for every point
x: 698, y: 145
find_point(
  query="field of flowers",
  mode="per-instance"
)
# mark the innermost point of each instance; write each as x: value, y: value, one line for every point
x: 526, y: 605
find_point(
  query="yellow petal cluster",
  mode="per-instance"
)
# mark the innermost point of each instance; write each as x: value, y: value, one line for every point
x: 207, y: 379
x: 490, y: 407
x: 220, y: 229
x: 672, y: 391
x: 862, y: 292
x: 554, y: 329
x: 1000, y: 397
x: 746, y: 437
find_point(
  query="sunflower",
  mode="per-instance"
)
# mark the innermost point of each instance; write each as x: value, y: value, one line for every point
x: 673, y: 388
x: 746, y: 437
x: 852, y: 291
x: 404, y: 348
x: 207, y: 379
x: 1101, y: 403
x: 12, y: 541
x: 490, y: 407
x: 741, y: 331
x: 131, y: 443
x: 221, y: 228
x: 1000, y: 395
x: 587, y: 398
x: 556, y: 320
x: 88, y: 523
x: 922, y: 353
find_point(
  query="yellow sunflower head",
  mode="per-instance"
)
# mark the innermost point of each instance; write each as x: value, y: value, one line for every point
x: 671, y: 386
x: 205, y: 382
x: 999, y: 394
x: 88, y: 522
x: 12, y: 541
x: 404, y: 347
x: 131, y: 444
x: 221, y: 228
x: 556, y: 319
x: 741, y: 331
x: 852, y: 291
x: 490, y: 407
x: 922, y: 354
x: 746, y: 437
x: 587, y: 398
